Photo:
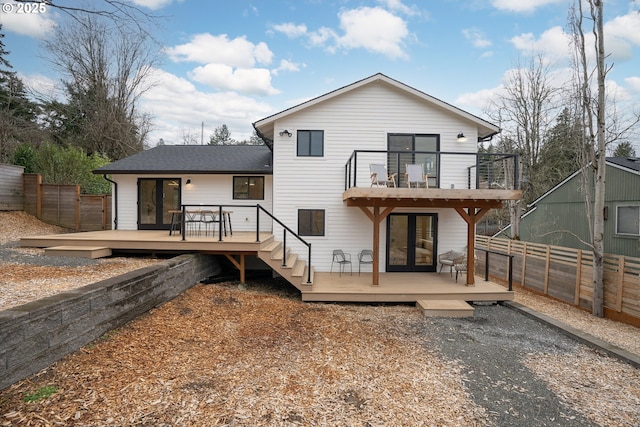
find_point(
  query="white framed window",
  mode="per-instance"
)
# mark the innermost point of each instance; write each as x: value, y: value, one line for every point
x: 628, y: 220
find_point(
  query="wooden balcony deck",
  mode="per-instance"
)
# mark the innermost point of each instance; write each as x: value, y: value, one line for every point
x: 393, y: 287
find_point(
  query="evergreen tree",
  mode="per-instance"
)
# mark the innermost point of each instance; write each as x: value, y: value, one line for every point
x: 17, y: 113
x: 624, y: 149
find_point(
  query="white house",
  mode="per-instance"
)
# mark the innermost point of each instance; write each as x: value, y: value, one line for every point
x: 313, y: 175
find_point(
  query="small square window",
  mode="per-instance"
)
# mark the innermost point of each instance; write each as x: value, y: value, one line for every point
x: 248, y: 187
x: 310, y: 143
x: 311, y: 222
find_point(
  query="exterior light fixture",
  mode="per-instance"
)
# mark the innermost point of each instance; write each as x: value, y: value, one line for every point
x: 286, y: 133
x: 461, y: 137
x: 189, y: 182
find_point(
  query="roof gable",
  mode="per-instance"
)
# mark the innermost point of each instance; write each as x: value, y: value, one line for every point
x: 206, y: 159
x: 264, y: 127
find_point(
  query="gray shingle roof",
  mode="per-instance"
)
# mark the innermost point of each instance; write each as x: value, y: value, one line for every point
x: 632, y: 163
x: 206, y: 159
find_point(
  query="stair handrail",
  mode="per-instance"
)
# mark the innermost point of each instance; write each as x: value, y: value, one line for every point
x: 285, y: 229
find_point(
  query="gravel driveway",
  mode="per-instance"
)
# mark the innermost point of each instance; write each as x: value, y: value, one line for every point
x: 492, y: 346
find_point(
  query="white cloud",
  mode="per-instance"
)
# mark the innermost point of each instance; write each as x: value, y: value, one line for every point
x: 291, y: 30
x: 398, y: 6
x: 207, y: 48
x: 256, y: 81
x: 176, y: 105
x: 42, y: 86
x: 523, y: 6
x: 476, y: 37
x: 621, y: 35
x: 373, y: 29
x: 152, y: 4
x: 287, y: 66
x: 36, y: 25
x: 633, y: 83
x: 554, y: 45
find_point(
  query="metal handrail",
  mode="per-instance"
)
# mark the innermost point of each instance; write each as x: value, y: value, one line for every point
x: 509, y: 265
x: 284, y: 239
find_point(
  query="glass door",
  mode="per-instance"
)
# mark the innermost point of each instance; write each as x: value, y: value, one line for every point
x: 411, y: 242
x: 156, y: 198
x: 407, y: 148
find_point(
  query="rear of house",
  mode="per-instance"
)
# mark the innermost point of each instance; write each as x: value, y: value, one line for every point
x: 377, y: 120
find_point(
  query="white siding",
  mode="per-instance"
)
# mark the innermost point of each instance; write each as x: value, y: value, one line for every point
x: 203, y: 190
x: 361, y: 120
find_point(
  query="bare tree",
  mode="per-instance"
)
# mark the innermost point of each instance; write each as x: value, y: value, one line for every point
x: 526, y: 111
x: 593, y: 116
x: 106, y: 68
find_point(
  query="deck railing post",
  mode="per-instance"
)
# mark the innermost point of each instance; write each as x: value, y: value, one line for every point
x: 510, y: 261
x: 486, y: 266
x: 183, y: 228
x: 220, y: 220
x: 309, y: 265
x: 284, y: 248
x: 258, y: 223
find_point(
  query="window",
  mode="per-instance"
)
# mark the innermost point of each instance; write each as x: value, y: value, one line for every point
x: 311, y: 222
x: 248, y: 187
x: 628, y: 220
x: 310, y: 143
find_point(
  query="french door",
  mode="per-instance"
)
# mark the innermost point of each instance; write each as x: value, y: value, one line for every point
x: 414, y: 148
x: 411, y: 242
x: 156, y: 198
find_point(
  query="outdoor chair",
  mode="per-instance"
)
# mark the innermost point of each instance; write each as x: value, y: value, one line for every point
x: 379, y: 176
x: 365, y: 257
x: 415, y: 175
x: 447, y: 258
x: 342, y: 259
x: 192, y: 223
x: 209, y: 220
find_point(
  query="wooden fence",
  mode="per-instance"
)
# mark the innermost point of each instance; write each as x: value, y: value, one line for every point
x: 11, y: 188
x: 567, y: 274
x: 63, y: 205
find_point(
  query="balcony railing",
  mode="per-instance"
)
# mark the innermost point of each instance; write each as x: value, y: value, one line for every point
x: 443, y: 169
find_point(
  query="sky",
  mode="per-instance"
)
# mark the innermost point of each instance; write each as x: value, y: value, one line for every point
x: 236, y: 62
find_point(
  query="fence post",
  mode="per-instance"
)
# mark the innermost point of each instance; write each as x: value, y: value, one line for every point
x: 620, y: 283
x: 547, y: 267
x: 576, y: 298
x: 77, y: 208
x: 524, y: 265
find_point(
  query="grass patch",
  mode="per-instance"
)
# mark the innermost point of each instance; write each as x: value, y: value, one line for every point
x: 42, y: 393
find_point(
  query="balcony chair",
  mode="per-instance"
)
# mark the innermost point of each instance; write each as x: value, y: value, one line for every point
x: 447, y: 258
x: 460, y: 265
x: 342, y: 259
x: 415, y: 175
x: 365, y: 257
x: 192, y: 223
x: 379, y: 176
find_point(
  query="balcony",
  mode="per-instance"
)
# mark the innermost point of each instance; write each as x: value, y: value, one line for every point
x: 444, y: 170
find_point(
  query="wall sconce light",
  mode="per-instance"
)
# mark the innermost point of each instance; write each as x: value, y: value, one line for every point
x: 286, y: 133
x: 189, y: 182
x: 461, y: 137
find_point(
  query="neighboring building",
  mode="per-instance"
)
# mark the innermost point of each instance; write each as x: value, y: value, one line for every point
x: 315, y: 178
x: 559, y: 217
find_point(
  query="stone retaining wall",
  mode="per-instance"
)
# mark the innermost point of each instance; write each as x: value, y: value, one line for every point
x: 34, y: 335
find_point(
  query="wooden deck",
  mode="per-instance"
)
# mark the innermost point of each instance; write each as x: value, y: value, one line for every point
x: 401, y: 287
x: 393, y: 287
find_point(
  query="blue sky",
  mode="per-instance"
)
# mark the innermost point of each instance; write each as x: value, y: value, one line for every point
x: 235, y: 62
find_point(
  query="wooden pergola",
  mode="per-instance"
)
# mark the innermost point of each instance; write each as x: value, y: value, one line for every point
x: 471, y: 205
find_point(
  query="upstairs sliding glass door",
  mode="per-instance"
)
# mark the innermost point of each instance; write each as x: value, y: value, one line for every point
x: 408, y: 144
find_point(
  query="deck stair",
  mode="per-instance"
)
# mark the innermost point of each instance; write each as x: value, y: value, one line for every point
x: 294, y: 270
x: 445, y: 308
x: 91, y: 252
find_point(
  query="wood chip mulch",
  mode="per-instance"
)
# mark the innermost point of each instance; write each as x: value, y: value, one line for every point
x: 217, y: 355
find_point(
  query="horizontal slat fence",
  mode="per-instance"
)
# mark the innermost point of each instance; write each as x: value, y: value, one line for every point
x: 11, y: 188
x: 566, y: 274
x: 63, y: 205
